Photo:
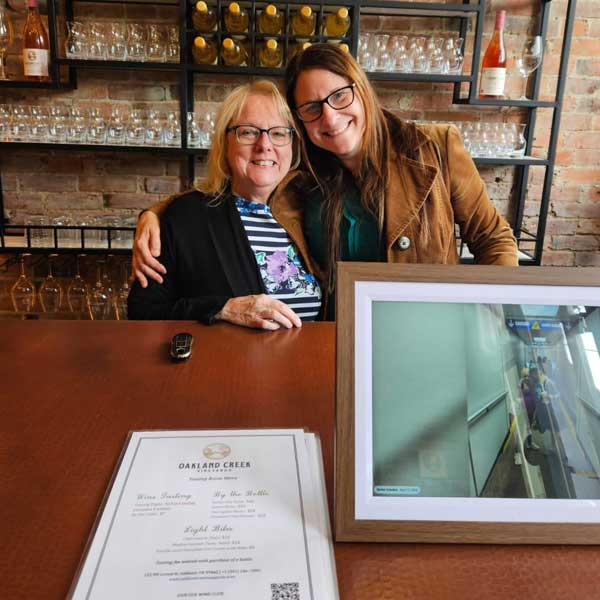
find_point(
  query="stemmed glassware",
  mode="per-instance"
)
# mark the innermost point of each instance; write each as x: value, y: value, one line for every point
x: 99, y: 300
x: 22, y: 293
x: 530, y: 59
x: 50, y: 290
x: 6, y: 37
x: 77, y: 291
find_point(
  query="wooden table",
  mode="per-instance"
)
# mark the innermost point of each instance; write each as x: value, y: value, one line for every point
x: 72, y: 390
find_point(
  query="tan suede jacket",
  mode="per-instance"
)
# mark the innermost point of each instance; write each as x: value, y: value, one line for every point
x: 445, y: 185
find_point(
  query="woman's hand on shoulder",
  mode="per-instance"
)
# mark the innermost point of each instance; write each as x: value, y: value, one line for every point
x: 146, y: 246
x: 260, y: 311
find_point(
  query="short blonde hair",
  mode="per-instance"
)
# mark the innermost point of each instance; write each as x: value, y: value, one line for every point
x: 218, y: 172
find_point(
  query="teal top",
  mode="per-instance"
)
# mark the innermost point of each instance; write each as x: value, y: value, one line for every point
x: 359, y: 235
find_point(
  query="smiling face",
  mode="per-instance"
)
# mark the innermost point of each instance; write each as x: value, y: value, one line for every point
x: 257, y: 169
x: 338, y: 131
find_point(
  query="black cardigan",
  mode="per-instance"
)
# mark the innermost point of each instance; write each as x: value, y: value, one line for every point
x: 208, y: 258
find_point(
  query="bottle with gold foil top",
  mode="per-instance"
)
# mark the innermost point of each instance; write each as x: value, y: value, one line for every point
x: 270, y: 54
x: 337, y: 24
x: 304, y: 21
x: 298, y: 47
x: 236, y: 18
x: 204, y: 51
x: 204, y: 18
x: 344, y: 47
x: 270, y: 20
x: 233, y: 53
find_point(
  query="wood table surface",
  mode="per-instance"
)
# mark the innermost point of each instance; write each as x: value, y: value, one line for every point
x: 71, y: 390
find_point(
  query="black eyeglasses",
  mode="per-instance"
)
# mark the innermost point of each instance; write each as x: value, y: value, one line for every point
x: 338, y: 99
x: 247, y: 135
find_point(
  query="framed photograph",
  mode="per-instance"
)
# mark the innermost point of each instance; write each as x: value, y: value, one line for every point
x: 468, y: 404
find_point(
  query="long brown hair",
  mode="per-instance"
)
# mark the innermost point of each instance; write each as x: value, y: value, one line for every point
x: 327, y: 169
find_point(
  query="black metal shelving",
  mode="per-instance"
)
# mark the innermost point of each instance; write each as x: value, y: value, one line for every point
x: 465, y: 11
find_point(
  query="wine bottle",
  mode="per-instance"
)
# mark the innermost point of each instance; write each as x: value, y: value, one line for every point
x: 204, y: 51
x: 36, y: 46
x: 236, y: 18
x: 270, y: 20
x: 298, y: 47
x: 493, y: 66
x: 204, y: 18
x: 304, y: 21
x: 270, y: 54
x: 337, y: 23
x: 233, y: 53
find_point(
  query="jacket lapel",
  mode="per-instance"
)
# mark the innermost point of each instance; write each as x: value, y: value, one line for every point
x: 409, y: 184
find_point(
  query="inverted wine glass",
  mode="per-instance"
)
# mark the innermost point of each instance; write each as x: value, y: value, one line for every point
x: 77, y: 292
x: 50, y: 290
x: 22, y: 293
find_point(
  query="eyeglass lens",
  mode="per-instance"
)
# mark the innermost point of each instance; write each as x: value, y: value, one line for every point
x: 247, y: 134
x: 338, y: 99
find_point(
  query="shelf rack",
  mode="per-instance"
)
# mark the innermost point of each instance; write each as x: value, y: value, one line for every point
x: 465, y: 11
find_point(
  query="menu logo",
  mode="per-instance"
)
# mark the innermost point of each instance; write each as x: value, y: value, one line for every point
x: 216, y: 451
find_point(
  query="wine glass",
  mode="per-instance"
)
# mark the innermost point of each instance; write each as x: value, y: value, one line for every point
x: 77, y: 291
x: 99, y: 301
x: 50, y: 290
x: 6, y: 37
x: 530, y: 59
x: 22, y: 292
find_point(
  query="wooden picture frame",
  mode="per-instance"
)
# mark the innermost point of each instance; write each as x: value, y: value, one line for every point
x: 363, y: 510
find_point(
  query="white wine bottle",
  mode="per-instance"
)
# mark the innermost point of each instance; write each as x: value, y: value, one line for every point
x: 233, y: 53
x: 304, y: 21
x: 270, y: 20
x: 298, y: 47
x: 337, y: 24
x: 204, y: 18
x: 236, y: 18
x: 270, y: 54
x: 204, y: 51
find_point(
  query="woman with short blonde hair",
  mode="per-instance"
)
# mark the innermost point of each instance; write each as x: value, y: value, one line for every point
x: 224, y: 257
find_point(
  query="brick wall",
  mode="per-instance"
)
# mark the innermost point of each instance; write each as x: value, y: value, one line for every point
x: 86, y: 184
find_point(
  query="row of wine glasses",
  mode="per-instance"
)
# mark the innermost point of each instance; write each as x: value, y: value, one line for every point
x: 410, y: 54
x: 122, y: 126
x: 200, y: 128
x: 84, y: 232
x: 121, y: 40
x: 493, y: 140
x: 89, y: 125
x: 101, y: 300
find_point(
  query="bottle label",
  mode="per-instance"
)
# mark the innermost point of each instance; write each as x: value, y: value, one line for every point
x: 35, y: 62
x: 492, y: 81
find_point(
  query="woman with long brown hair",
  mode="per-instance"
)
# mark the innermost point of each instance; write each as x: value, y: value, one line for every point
x: 376, y: 188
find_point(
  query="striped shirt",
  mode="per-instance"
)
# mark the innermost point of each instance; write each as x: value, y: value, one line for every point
x: 279, y: 263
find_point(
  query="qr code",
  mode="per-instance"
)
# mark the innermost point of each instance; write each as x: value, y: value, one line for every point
x: 285, y: 591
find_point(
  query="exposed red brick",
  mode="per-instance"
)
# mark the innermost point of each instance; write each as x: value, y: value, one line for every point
x: 587, y: 259
x: 558, y: 259
x: 56, y: 183
x: 162, y: 185
x: 108, y: 184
